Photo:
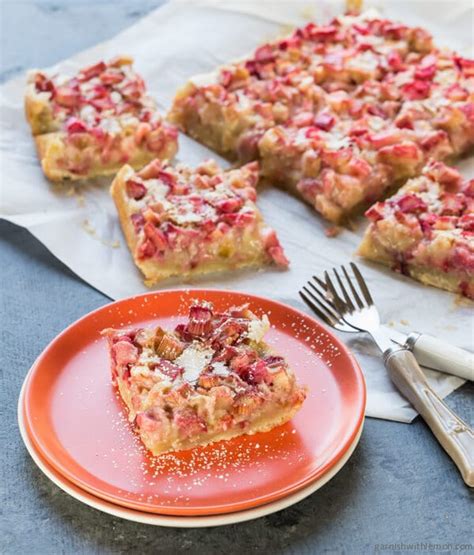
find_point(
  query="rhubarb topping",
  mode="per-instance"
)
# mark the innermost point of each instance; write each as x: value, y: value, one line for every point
x: 181, y: 210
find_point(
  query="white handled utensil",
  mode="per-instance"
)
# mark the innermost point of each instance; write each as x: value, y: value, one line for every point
x: 429, y: 351
x: 353, y: 305
x: 440, y: 355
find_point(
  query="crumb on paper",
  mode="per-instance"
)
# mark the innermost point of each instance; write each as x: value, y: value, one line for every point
x: 285, y: 30
x: 89, y: 228
x: 390, y: 323
x: 81, y: 200
x: 404, y: 322
x: 69, y: 190
x: 354, y: 6
x: 332, y: 231
x: 308, y: 12
x: 460, y: 301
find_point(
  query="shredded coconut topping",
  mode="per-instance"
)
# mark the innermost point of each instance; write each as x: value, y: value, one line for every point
x: 194, y: 360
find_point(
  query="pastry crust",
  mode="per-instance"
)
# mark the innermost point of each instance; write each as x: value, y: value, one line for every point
x: 249, y: 244
x: 371, y: 250
x: 211, y: 379
x: 54, y: 148
x: 426, y: 230
x: 91, y: 124
x: 119, y: 196
x: 38, y: 112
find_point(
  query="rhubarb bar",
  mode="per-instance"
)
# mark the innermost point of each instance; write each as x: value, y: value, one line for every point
x: 342, y: 114
x: 426, y: 230
x: 229, y: 109
x: 343, y: 170
x: 184, y: 222
x: 365, y: 143
x: 91, y: 124
x: 211, y: 379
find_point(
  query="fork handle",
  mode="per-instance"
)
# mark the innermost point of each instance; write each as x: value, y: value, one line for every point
x: 436, y: 353
x: 455, y: 436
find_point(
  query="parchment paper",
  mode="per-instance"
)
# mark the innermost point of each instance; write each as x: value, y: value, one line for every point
x: 78, y: 224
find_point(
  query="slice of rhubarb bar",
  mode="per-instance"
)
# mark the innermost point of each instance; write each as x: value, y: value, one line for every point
x: 184, y: 222
x: 338, y: 166
x: 92, y: 123
x: 211, y: 379
x: 426, y: 230
x: 342, y: 113
x: 230, y: 109
x: 362, y: 145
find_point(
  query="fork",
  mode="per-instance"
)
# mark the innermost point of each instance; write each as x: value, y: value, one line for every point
x: 430, y: 351
x: 351, y: 308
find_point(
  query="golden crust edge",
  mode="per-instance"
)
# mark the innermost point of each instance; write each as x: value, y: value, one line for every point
x: 37, y: 109
x: 370, y: 250
x: 261, y: 425
x: 45, y: 143
x: 117, y: 192
x: 48, y: 141
x: 160, y: 276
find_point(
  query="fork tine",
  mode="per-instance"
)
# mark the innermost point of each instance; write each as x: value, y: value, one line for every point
x: 313, y: 303
x: 362, y: 284
x: 354, y: 292
x: 338, y: 302
x: 320, y: 282
x: 324, y: 305
x: 348, y: 300
x: 328, y: 296
x: 323, y: 300
x: 324, y: 317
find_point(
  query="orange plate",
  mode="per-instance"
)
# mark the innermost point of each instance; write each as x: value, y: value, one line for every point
x: 79, y: 425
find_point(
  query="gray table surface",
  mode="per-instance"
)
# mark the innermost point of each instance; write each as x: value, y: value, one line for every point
x: 398, y: 488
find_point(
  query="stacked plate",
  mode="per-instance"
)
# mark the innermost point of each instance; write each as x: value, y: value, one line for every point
x: 76, y: 430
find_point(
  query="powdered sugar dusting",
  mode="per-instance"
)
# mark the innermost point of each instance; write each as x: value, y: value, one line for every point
x: 193, y: 360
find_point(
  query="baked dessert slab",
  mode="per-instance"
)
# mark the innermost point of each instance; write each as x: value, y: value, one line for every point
x: 186, y: 222
x: 91, y: 124
x: 364, y: 144
x: 340, y: 173
x: 342, y: 114
x: 229, y: 109
x: 426, y: 230
x: 211, y: 379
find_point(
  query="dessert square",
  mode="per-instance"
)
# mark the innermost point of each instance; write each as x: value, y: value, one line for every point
x: 342, y: 113
x: 91, y: 124
x: 230, y: 108
x: 185, y: 222
x: 211, y: 379
x: 363, y: 145
x: 426, y: 230
x: 339, y: 171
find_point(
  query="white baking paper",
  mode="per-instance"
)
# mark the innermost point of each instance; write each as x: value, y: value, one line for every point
x: 78, y: 224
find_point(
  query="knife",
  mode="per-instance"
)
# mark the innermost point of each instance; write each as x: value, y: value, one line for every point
x: 435, y: 353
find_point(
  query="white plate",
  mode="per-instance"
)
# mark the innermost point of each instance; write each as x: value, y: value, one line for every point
x: 173, y: 521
